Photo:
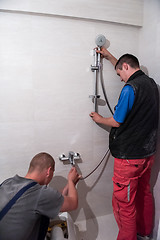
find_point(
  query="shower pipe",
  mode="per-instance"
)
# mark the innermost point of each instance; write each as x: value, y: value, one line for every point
x: 97, y: 68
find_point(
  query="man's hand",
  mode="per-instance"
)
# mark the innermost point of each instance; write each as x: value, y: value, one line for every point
x: 106, y: 54
x: 73, y: 175
x: 96, y: 117
x: 106, y: 121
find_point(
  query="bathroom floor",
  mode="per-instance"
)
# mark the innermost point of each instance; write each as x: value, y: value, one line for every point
x: 100, y: 228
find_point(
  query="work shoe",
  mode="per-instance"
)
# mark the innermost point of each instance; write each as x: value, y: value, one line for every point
x: 143, y: 237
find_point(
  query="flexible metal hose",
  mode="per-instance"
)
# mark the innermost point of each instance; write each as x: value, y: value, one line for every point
x: 103, y: 89
x: 82, y: 178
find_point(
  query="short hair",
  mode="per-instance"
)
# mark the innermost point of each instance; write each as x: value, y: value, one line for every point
x: 130, y: 59
x: 41, y: 161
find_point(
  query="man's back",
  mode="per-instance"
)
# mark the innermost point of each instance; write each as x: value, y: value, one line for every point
x: 136, y: 137
x: 23, y: 220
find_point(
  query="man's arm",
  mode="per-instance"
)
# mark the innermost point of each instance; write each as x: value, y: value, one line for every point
x: 107, y: 55
x: 70, y: 193
x: 106, y: 121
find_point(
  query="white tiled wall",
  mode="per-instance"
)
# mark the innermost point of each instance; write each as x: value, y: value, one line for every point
x: 126, y: 11
x: 149, y: 53
x: 45, y: 86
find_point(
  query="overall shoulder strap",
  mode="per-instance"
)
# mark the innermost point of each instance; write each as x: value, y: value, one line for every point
x: 4, y: 211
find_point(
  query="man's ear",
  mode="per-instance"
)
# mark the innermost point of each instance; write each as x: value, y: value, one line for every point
x: 125, y: 66
x: 48, y: 172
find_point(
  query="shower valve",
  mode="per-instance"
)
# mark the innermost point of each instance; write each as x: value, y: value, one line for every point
x: 72, y: 156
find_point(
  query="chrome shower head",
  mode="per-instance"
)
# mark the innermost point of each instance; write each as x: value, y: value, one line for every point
x: 100, y: 40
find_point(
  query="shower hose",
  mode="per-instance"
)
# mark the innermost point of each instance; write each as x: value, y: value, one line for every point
x: 109, y: 107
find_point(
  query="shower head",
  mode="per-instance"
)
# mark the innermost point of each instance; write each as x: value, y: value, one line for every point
x: 100, y: 40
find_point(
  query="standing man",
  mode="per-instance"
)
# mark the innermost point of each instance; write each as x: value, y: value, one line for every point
x: 132, y: 142
x: 28, y: 217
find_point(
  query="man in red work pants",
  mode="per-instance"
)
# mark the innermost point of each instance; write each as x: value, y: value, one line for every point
x: 132, y: 198
x: 132, y: 142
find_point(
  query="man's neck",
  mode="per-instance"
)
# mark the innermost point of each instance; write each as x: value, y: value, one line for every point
x: 132, y: 71
x: 35, y: 177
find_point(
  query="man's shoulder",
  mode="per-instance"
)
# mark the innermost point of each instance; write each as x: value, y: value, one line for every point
x: 128, y: 89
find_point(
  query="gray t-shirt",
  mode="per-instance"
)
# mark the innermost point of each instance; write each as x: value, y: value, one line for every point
x: 22, y: 221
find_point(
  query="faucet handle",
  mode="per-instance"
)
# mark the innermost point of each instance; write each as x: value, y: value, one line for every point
x: 76, y: 156
x: 71, y: 157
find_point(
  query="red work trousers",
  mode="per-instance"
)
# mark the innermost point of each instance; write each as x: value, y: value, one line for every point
x: 132, y: 199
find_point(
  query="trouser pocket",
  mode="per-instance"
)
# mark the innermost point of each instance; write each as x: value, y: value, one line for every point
x: 121, y: 189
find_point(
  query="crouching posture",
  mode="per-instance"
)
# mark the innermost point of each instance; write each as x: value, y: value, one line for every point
x: 27, y: 203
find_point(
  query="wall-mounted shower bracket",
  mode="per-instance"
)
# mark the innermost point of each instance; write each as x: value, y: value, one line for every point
x: 94, y: 97
x: 72, y: 156
x: 97, y: 61
x: 94, y: 68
